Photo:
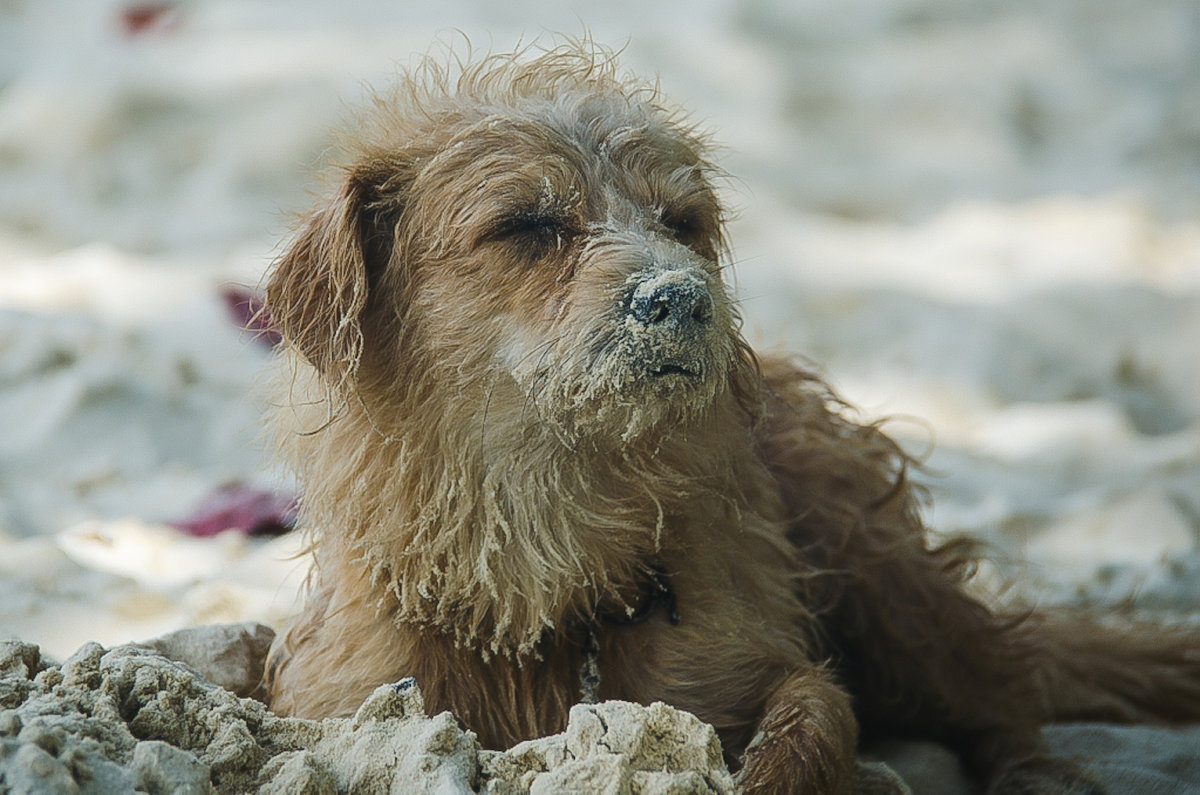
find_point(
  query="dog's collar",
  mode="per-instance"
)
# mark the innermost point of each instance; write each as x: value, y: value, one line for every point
x: 659, y: 592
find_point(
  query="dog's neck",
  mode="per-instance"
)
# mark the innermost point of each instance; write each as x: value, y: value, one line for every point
x: 502, y: 543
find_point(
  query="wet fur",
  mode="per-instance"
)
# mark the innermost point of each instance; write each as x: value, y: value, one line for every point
x: 493, y: 463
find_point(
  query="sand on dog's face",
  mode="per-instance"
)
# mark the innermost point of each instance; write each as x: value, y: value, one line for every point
x: 571, y: 245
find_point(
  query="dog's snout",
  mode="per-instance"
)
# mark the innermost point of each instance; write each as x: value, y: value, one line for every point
x: 681, y: 301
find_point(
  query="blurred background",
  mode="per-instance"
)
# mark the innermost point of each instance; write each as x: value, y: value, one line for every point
x: 980, y: 217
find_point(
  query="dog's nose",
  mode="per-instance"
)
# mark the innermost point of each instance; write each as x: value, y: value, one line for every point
x: 680, y: 301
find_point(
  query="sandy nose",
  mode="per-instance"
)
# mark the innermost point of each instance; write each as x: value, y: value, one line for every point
x: 676, y: 298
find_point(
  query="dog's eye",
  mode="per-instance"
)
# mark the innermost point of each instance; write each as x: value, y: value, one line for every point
x: 687, y: 227
x: 538, y: 229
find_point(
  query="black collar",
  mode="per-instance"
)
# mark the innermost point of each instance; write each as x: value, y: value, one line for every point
x: 656, y: 591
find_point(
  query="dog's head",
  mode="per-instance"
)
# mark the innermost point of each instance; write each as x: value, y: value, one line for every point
x: 538, y: 239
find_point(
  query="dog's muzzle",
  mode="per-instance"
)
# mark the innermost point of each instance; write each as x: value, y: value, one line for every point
x: 671, y: 314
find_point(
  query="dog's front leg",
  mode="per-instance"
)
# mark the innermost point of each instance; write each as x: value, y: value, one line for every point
x: 806, y: 740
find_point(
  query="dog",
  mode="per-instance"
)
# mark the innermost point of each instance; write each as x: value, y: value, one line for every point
x: 540, y: 465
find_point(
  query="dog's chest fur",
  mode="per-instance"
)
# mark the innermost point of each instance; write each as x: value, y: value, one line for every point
x: 741, y: 610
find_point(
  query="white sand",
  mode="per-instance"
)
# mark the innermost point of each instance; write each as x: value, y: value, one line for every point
x: 981, y: 216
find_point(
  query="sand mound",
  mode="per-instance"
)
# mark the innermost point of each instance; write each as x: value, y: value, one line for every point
x: 131, y: 718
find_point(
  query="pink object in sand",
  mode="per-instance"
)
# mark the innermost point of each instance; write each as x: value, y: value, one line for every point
x: 139, y: 19
x: 245, y: 307
x: 236, y: 506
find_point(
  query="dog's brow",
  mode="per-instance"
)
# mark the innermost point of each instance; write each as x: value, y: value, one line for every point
x: 614, y: 140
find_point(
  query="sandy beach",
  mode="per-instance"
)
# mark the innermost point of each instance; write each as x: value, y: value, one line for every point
x: 980, y: 219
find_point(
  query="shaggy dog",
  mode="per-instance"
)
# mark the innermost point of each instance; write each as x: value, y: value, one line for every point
x: 540, y: 464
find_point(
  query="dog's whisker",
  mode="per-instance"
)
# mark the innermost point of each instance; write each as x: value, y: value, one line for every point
x: 540, y: 374
x: 540, y: 348
x: 487, y: 404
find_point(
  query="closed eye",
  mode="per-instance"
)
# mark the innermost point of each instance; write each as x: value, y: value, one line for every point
x: 531, y: 228
x: 688, y: 227
x: 683, y: 225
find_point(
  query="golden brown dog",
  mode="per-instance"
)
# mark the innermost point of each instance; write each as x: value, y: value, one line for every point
x: 540, y: 463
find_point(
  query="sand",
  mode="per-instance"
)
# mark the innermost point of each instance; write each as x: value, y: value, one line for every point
x: 981, y: 218
x: 140, y: 717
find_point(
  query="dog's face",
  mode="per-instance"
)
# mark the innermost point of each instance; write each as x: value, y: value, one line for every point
x: 556, y: 241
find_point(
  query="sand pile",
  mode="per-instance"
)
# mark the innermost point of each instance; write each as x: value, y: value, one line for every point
x: 134, y: 718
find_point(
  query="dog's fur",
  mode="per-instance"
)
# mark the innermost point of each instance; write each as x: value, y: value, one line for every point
x: 524, y: 417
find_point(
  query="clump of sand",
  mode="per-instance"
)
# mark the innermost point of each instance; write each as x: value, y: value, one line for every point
x: 131, y: 718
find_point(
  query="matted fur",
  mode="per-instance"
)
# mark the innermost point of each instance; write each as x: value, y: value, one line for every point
x: 518, y: 394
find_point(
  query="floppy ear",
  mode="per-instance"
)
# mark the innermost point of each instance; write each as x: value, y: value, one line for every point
x: 317, y: 291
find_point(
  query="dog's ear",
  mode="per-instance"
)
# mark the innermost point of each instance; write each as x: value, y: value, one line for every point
x: 317, y: 291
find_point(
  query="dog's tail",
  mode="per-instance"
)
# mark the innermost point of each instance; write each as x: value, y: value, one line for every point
x: 1124, y: 673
